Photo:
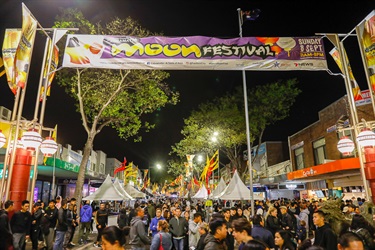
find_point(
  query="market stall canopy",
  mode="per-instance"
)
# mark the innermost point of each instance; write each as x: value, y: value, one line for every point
x: 134, y: 192
x: 201, y: 194
x: 236, y: 190
x: 219, y: 189
x: 120, y: 187
x: 106, y: 192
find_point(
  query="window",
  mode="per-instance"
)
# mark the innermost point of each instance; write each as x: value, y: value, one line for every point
x: 298, y: 157
x: 319, y: 147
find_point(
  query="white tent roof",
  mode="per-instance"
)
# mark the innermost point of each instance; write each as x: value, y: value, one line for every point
x: 134, y: 192
x: 236, y: 190
x: 106, y: 192
x: 201, y: 194
x: 119, y: 187
x: 219, y: 189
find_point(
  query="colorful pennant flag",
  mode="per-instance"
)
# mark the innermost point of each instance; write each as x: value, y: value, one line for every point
x: 48, y: 76
x: 11, y: 40
x: 366, y: 35
x: 355, y: 88
x: 25, y: 47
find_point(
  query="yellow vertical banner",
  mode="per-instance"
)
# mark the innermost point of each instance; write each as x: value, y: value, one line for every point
x: 355, y: 88
x: 367, y: 37
x: 11, y: 40
x: 25, y: 47
x: 53, y: 67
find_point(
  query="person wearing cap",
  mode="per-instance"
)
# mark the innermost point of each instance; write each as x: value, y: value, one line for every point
x: 35, y: 224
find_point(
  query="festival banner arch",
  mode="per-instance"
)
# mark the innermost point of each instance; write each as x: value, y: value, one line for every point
x: 195, y: 53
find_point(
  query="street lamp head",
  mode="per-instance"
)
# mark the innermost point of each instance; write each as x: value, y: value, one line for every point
x: 214, y: 139
x: 200, y: 158
x: 158, y: 166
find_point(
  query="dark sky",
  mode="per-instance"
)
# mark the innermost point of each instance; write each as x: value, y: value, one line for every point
x: 187, y: 18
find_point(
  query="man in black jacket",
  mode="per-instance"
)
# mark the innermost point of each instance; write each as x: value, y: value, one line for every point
x: 101, y: 220
x: 5, y: 233
x: 218, y: 232
x: 178, y: 228
x: 51, y: 215
x: 286, y: 219
x: 62, y: 225
x: 35, y: 224
x: 324, y: 236
x: 20, y: 225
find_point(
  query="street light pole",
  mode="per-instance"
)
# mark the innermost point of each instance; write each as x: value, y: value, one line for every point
x: 247, y: 122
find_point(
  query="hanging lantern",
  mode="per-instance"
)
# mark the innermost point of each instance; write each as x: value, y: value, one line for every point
x: 31, y: 139
x: 345, y: 145
x: 48, y: 147
x: 18, y: 145
x: 3, y: 140
x: 366, y: 138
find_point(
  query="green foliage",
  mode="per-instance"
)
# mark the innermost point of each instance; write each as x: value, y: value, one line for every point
x: 116, y: 98
x: 267, y: 104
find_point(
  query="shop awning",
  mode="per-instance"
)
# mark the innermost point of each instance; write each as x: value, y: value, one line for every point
x: 334, y: 169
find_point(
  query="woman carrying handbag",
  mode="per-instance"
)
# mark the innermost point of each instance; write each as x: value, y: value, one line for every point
x: 162, y: 240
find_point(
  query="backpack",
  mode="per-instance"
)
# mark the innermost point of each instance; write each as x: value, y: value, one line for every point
x: 44, y: 225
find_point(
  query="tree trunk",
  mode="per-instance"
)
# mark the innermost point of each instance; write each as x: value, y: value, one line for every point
x: 82, y: 170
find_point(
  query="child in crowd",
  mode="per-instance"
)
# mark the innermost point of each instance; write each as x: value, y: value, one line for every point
x: 301, y: 232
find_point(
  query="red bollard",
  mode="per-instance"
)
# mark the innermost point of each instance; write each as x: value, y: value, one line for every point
x: 20, y: 177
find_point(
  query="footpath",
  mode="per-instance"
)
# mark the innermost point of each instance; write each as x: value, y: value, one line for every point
x: 112, y: 220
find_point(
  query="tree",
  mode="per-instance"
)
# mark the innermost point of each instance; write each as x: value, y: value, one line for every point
x: 116, y: 98
x: 267, y: 104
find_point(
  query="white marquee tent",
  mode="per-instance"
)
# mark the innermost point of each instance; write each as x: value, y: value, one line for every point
x: 134, y: 192
x: 106, y: 192
x: 120, y: 188
x: 219, y: 189
x: 236, y: 190
x: 201, y: 194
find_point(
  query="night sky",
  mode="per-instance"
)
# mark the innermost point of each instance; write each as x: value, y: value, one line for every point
x: 189, y: 18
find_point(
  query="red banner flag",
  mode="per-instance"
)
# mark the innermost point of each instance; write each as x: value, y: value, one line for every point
x: 120, y: 168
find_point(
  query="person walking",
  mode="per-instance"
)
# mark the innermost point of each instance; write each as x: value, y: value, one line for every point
x: 194, y: 226
x: 215, y: 238
x: 178, y: 228
x: 20, y: 225
x: 51, y: 216
x: 241, y: 231
x: 324, y: 236
x: 154, y: 222
x: 5, y: 233
x: 138, y: 238
x: 35, y: 224
x: 162, y: 238
x: 261, y: 233
x: 62, y: 225
x: 101, y: 220
x: 85, y: 222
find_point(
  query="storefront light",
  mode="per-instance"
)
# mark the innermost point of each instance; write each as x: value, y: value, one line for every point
x: 345, y: 145
x: 366, y: 138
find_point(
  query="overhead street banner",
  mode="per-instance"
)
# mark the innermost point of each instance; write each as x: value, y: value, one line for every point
x: 195, y: 53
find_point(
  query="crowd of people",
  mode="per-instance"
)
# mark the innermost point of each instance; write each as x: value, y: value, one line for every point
x: 181, y: 225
